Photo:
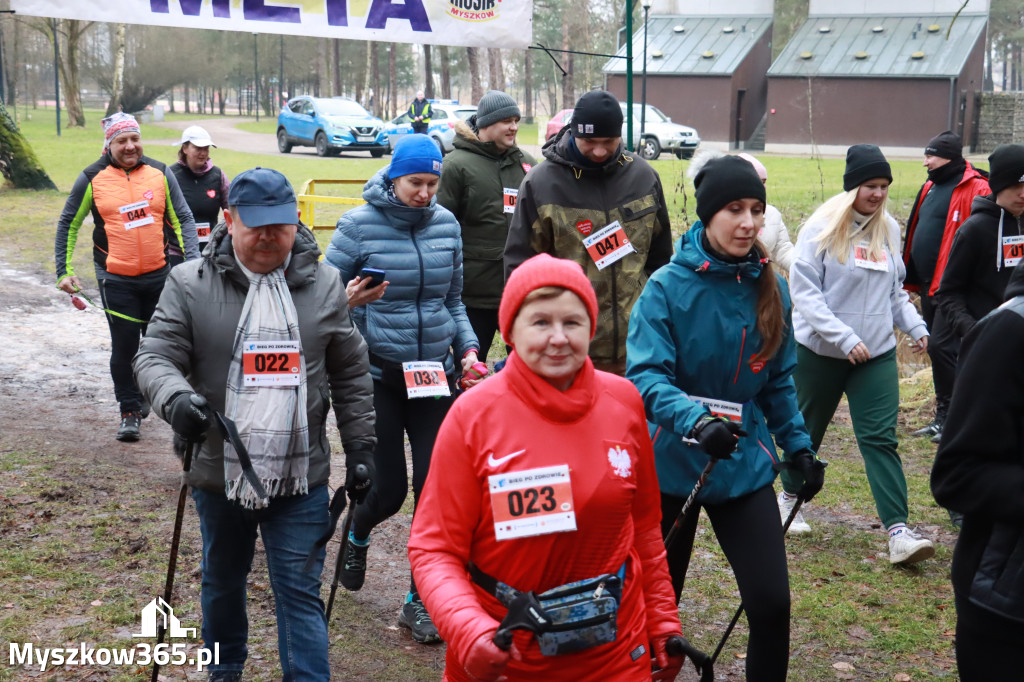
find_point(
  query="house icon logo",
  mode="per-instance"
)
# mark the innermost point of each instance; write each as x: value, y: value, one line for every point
x: 158, y: 610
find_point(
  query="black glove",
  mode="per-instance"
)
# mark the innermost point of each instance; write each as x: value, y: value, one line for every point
x: 189, y: 416
x: 359, y: 474
x: 717, y: 436
x: 813, y: 471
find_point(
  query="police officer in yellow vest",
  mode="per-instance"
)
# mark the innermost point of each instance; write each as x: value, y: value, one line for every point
x: 137, y: 210
x: 419, y: 113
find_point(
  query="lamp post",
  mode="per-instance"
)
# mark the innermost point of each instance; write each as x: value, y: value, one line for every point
x: 256, y: 75
x: 646, y: 4
x: 629, y: 75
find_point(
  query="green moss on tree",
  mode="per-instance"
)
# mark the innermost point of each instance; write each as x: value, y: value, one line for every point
x: 18, y: 163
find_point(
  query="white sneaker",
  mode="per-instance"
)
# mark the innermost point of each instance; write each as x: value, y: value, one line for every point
x: 786, y: 505
x: 907, y: 547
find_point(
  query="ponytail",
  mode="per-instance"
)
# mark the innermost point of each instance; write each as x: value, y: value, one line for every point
x: 771, y: 322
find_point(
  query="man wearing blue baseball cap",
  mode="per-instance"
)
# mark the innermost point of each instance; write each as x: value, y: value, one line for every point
x: 262, y: 331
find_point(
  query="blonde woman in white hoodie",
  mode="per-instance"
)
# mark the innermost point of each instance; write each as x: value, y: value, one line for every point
x: 847, y: 289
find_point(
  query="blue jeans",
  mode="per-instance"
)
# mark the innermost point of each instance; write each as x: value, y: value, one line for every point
x: 290, y: 526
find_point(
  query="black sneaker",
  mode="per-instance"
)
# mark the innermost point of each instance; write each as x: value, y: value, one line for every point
x: 225, y: 676
x: 415, y: 617
x: 129, y: 429
x: 353, y: 565
x: 933, y: 428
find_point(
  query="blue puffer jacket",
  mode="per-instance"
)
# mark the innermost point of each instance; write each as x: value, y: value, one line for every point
x: 421, y: 316
x: 694, y: 331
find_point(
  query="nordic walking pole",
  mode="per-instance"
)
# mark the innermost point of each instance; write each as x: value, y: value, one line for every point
x: 172, y: 563
x: 673, y: 532
x: 736, y: 616
x: 361, y: 474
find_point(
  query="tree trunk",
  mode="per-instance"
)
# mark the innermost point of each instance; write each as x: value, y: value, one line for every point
x: 496, y: 73
x: 473, y: 57
x: 220, y: 99
x: 188, y: 106
x: 446, y: 73
x: 11, y: 66
x: 18, y: 163
x: 527, y: 104
x: 118, y: 84
x: 68, y: 67
x: 336, y: 64
x: 568, y: 88
x: 170, y: 99
x: 375, y: 80
x: 428, y: 73
x: 392, y: 80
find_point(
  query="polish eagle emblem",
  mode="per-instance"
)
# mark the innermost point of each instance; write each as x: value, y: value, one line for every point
x: 619, y: 459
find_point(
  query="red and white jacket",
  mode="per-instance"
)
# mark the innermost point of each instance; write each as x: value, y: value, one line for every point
x: 517, y: 422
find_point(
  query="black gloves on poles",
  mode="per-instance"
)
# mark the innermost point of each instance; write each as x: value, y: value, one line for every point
x: 717, y: 436
x: 359, y: 473
x: 813, y: 471
x: 189, y: 416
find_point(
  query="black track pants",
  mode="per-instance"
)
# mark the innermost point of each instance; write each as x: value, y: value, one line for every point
x: 134, y: 299
x: 750, y: 533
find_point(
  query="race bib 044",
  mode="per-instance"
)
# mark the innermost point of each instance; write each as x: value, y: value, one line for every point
x: 136, y: 215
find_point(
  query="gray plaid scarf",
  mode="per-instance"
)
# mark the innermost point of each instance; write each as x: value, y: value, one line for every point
x: 271, y: 419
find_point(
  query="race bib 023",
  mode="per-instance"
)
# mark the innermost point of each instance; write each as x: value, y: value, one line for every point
x: 532, y: 502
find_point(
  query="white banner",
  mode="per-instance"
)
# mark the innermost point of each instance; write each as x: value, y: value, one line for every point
x: 480, y: 23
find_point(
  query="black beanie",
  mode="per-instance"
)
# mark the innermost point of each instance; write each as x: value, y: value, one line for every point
x: 864, y: 162
x: 1005, y: 167
x: 947, y: 145
x: 597, y: 114
x: 722, y: 181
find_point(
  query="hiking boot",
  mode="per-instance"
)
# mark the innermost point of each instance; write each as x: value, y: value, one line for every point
x: 786, y: 505
x: 415, y: 617
x: 353, y: 565
x: 907, y: 547
x: 937, y: 438
x: 129, y: 429
x: 932, y: 429
x: 956, y: 518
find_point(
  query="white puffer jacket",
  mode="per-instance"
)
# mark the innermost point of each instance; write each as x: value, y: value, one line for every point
x: 775, y: 237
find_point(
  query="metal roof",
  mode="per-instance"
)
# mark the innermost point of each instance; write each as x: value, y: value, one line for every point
x: 730, y: 39
x: 889, y: 51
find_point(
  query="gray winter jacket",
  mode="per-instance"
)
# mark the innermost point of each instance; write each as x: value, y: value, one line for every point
x: 188, y: 348
x: 421, y: 315
x: 838, y: 305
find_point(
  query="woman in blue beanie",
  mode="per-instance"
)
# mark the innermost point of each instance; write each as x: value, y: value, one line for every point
x: 415, y: 325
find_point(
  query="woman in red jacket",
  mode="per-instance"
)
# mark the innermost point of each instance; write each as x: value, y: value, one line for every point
x: 556, y: 485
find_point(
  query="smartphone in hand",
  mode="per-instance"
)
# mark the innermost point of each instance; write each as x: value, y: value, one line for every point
x: 375, y: 276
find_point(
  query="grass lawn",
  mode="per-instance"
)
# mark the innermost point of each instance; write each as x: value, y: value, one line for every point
x: 854, y: 616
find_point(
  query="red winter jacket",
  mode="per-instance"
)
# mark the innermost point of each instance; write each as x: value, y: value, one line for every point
x: 599, y: 430
x: 973, y: 184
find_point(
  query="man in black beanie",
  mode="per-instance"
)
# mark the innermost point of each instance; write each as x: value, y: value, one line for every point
x: 941, y: 207
x: 601, y: 206
x: 479, y: 184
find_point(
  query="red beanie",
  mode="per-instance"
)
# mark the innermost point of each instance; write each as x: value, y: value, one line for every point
x: 545, y: 271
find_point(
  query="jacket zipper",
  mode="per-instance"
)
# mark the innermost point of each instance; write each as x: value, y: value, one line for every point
x: 615, y: 288
x: 419, y: 297
x: 579, y: 624
x: 739, y: 360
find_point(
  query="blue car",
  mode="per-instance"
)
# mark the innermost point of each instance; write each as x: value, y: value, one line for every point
x: 443, y: 115
x: 332, y: 125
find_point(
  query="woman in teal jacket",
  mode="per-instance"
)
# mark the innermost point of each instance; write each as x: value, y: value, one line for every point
x: 711, y: 350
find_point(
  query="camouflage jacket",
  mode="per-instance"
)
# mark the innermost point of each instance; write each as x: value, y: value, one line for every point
x: 561, y: 202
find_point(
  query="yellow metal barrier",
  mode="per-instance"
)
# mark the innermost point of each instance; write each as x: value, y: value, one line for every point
x: 308, y: 198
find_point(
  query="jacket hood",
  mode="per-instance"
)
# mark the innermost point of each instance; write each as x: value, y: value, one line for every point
x: 376, y: 193
x: 219, y: 254
x: 466, y: 138
x: 692, y: 255
x: 557, y: 149
x: 986, y: 205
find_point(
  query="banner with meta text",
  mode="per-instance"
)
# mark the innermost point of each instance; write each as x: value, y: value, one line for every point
x: 483, y: 23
